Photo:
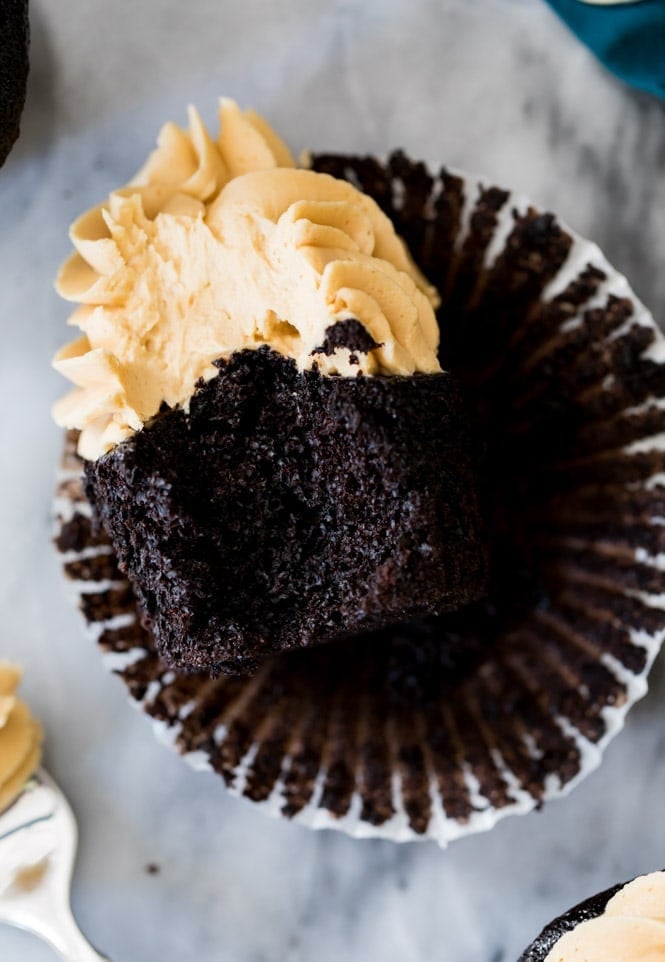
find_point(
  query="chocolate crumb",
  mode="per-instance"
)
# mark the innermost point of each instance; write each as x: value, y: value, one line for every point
x: 350, y: 334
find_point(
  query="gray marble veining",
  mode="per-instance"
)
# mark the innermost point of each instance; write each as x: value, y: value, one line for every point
x: 494, y: 86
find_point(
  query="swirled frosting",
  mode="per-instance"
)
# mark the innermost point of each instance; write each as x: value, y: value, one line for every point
x: 20, y: 738
x: 218, y: 246
x: 631, y: 929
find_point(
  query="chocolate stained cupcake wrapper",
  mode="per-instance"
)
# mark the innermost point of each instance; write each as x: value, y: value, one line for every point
x: 377, y: 742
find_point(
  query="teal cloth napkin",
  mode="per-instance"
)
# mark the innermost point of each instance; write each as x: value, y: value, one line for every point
x: 629, y: 38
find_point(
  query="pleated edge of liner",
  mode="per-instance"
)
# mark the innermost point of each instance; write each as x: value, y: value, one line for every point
x: 441, y: 828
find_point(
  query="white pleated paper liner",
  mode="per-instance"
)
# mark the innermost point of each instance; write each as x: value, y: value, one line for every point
x: 439, y: 729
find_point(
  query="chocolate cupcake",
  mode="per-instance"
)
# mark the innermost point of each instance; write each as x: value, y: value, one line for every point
x: 271, y: 443
x: 438, y: 726
x: 623, y: 924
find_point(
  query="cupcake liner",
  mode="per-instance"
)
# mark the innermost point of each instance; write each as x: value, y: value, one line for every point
x: 439, y: 729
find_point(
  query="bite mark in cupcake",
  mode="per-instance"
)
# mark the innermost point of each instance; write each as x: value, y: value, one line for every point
x: 218, y: 247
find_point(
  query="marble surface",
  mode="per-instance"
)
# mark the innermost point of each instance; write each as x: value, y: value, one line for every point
x: 496, y: 86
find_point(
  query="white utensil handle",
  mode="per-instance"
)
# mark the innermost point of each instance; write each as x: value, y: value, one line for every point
x: 68, y: 940
x: 54, y: 923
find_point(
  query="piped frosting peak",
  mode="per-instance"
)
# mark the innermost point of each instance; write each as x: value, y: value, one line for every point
x: 219, y: 246
x: 631, y: 928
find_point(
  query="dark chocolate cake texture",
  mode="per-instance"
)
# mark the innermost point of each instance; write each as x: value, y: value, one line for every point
x: 439, y: 727
x: 288, y: 509
x: 14, y: 40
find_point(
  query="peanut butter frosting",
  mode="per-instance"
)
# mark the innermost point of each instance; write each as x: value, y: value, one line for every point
x: 631, y: 929
x: 20, y: 738
x: 219, y: 246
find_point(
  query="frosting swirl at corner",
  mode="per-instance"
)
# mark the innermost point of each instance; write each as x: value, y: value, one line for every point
x: 20, y: 738
x: 215, y: 247
x: 631, y: 929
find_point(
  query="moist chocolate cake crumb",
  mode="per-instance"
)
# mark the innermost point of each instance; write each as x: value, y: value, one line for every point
x: 350, y: 334
x: 288, y: 509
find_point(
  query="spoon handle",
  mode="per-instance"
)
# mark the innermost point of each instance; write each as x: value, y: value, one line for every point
x: 50, y: 917
x: 37, y: 847
x: 63, y: 934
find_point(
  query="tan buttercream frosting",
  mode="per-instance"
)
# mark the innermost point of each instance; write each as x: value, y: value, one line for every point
x: 218, y: 246
x: 631, y: 929
x: 20, y: 738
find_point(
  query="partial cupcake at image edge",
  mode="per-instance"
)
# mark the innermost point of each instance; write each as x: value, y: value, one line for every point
x: 622, y: 924
x: 435, y: 725
x: 14, y: 65
x: 20, y: 737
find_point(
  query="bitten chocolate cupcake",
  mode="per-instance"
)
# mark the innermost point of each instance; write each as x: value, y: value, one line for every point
x: 624, y: 924
x: 270, y: 440
x: 439, y: 726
